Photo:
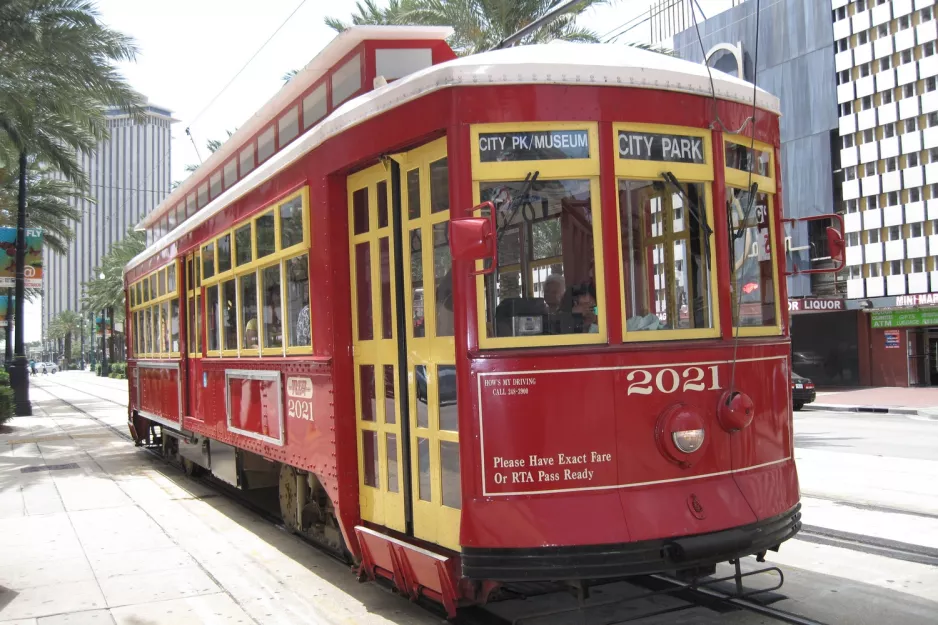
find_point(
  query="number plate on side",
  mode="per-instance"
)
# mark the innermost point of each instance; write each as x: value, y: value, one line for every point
x: 300, y: 398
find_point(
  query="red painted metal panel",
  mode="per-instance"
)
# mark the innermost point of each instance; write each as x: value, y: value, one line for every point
x: 255, y: 406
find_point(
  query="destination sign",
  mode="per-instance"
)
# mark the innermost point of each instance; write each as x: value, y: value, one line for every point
x: 533, y: 146
x: 646, y: 146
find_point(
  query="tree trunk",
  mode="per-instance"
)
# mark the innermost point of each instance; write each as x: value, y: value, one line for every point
x: 19, y: 377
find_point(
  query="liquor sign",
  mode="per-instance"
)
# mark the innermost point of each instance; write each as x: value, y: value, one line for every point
x: 892, y: 339
x: 647, y: 146
x: 33, y: 261
x: 541, y: 145
x: 815, y: 304
x: 914, y: 317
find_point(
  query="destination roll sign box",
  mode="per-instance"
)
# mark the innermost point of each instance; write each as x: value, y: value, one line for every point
x: 542, y: 145
x: 647, y: 146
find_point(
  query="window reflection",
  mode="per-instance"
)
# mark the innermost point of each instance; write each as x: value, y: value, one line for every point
x: 545, y: 283
x: 416, y: 283
x: 297, y: 276
x: 211, y: 309
x: 291, y: 223
x: 265, y: 235
x: 443, y: 279
x: 224, y: 253
x: 273, y: 333
x: 249, y: 333
x: 665, y: 265
x: 753, y: 281
x: 420, y: 381
x: 243, y: 244
x: 229, y: 315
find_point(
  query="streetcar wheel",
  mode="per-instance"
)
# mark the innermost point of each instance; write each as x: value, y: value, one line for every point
x: 799, y: 405
x: 288, y: 497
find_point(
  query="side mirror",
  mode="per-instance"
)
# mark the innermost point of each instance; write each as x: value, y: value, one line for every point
x: 836, y: 246
x: 474, y: 238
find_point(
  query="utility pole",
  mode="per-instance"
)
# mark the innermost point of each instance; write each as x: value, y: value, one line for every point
x: 19, y: 374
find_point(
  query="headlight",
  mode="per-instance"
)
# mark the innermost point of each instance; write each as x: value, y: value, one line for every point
x: 688, y: 441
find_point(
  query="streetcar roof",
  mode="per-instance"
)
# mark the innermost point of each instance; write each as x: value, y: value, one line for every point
x: 564, y: 63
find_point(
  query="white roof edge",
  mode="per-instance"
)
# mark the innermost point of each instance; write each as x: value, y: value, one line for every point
x: 338, y: 47
x: 540, y: 64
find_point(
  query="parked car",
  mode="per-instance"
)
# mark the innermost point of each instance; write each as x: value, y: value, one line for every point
x: 802, y: 391
x: 46, y: 367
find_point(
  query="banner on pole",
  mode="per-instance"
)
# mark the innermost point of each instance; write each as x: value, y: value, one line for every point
x: 33, y: 261
x: 6, y: 307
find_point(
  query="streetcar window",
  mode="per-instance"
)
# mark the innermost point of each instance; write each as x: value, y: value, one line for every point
x: 545, y: 232
x: 346, y: 80
x: 139, y: 289
x: 229, y: 315
x: 443, y: 279
x: 273, y: 326
x: 180, y: 213
x: 370, y: 457
x: 243, y: 245
x: 449, y: 480
x: 665, y: 265
x: 384, y: 267
x: 314, y: 106
x: 165, y: 322
x: 190, y: 205
x: 214, y: 185
x: 439, y: 186
x: 360, y: 210
x: 148, y: 330
x: 231, y: 173
x: 156, y: 285
x: 202, y: 195
x: 297, y: 283
x: 288, y: 126
x: 264, y: 234
x: 132, y: 294
x: 198, y: 325
x: 174, y: 325
x: 249, y: 331
x: 291, y: 223
x: 752, y: 287
x: 212, y: 314
x: 416, y: 282
x: 224, y: 253
x: 246, y: 160
x: 265, y: 145
x: 208, y: 261
x: 192, y: 326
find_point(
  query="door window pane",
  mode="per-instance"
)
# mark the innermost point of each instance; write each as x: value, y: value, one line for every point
x: 297, y: 271
x: 363, y: 290
x: 224, y: 253
x: 390, y: 410
x: 229, y: 316
x: 249, y: 335
x: 391, y: 444
x: 211, y: 309
x: 439, y: 186
x: 273, y: 326
x: 243, y: 244
x: 387, y: 321
x: 449, y: 469
x: 148, y: 330
x: 191, y: 330
x: 446, y: 385
x: 665, y: 265
x: 370, y: 457
x: 291, y: 223
x: 554, y: 243
x: 423, y: 468
x: 366, y: 380
x: 265, y: 235
x: 174, y: 325
x: 360, y: 210
x: 413, y: 194
x: 171, y: 278
x: 753, y: 282
x: 423, y: 414
x: 416, y: 283
x: 158, y: 284
x: 382, y: 204
x: 208, y: 261
x: 443, y: 279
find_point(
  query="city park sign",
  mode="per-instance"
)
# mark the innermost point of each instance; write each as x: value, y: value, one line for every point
x: 815, y: 304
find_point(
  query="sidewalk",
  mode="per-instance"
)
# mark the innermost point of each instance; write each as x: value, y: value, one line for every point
x: 95, y: 530
x: 908, y: 401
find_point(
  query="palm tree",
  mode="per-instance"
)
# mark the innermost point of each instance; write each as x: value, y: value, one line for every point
x: 57, y: 76
x: 478, y: 24
x: 67, y: 323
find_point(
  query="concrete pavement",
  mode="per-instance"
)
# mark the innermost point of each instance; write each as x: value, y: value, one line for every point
x: 914, y: 401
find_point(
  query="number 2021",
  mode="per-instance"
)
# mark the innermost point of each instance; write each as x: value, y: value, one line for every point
x: 670, y: 380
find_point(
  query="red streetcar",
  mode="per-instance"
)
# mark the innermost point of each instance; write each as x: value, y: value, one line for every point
x: 586, y: 376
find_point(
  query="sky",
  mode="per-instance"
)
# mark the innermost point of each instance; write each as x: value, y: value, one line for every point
x: 190, y: 50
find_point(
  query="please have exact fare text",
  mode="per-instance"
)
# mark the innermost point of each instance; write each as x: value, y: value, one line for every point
x: 555, y: 468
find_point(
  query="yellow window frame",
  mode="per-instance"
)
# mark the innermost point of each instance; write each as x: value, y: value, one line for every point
x: 773, y: 330
x: 154, y: 303
x: 740, y: 178
x: 561, y: 169
x: 193, y: 325
x: 279, y: 257
x: 288, y: 323
x: 689, y: 173
x: 212, y: 353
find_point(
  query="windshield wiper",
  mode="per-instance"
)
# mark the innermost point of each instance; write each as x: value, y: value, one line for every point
x: 694, y: 209
x: 517, y: 202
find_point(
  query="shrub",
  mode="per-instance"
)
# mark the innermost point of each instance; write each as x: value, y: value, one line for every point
x: 6, y: 403
x: 4, y: 378
x: 97, y: 368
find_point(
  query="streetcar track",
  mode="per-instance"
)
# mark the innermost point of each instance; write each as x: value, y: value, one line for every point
x: 865, y: 543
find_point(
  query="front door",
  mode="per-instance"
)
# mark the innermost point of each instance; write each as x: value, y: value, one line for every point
x: 432, y: 487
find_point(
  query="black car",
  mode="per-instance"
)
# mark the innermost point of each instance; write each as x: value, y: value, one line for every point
x: 802, y: 391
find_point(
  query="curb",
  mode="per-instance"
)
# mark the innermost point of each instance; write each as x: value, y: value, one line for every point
x: 865, y: 409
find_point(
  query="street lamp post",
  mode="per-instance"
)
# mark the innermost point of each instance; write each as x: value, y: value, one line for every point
x: 104, y: 370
